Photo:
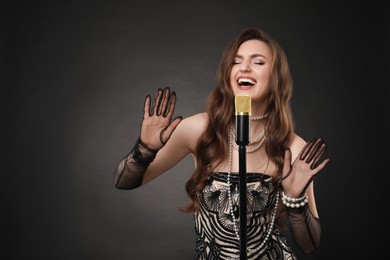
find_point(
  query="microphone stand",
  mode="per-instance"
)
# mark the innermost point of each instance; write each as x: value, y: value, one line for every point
x: 243, y: 213
x: 242, y: 106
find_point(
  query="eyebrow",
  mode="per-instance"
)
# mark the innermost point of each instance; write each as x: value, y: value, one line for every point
x: 252, y: 56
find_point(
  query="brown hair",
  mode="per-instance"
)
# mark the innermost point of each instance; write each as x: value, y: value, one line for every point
x: 212, y: 147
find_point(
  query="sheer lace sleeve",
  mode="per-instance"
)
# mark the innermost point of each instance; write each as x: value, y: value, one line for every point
x: 130, y: 170
x: 305, y: 228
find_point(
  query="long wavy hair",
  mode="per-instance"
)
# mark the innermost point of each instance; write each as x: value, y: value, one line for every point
x: 212, y: 148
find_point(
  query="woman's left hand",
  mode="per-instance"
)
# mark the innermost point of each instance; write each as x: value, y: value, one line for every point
x: 297, y: 176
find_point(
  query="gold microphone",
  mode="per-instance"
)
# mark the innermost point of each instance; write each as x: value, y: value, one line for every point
x: 243, y: 113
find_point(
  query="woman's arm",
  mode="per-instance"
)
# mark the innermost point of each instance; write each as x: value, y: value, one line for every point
x: 297, y: 182
x: 162, y: 144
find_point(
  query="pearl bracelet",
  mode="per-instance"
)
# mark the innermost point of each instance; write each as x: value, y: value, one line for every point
x: 294, y: 202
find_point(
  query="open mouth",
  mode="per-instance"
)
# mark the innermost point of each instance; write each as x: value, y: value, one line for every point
x: 246, y: 83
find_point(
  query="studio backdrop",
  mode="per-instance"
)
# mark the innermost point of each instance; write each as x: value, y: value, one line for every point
x: 75, y: 77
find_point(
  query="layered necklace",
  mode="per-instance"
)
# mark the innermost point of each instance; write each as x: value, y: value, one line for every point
x: 260, y: 140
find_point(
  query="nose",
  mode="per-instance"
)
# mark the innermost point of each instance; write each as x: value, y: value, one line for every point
x: 245, y: 67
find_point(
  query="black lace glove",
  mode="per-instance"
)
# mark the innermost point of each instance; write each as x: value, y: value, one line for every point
x: 131, y: 169
x: 298, y: 176
x: 156, y: 129
x: 305, y: 228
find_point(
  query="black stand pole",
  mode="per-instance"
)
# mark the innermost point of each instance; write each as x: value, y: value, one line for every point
x: 242, y: 111
x: 242, y: 186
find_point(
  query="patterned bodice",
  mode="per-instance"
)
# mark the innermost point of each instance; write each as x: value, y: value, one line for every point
x: 214, y: 225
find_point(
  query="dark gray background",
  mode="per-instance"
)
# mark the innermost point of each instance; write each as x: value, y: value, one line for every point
x: 75, y: 74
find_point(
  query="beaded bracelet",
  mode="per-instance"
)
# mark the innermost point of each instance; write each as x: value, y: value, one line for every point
x: 294, y: 202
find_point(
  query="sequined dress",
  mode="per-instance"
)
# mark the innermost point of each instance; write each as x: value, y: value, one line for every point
x: 214, y: 226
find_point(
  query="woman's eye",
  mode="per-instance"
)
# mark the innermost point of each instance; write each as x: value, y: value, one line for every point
x: 236, y: 61
x: 259, y: 62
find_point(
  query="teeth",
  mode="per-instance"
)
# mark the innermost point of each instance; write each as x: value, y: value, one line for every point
x: 245, y: 80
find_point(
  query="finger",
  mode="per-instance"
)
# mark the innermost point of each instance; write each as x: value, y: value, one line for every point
x: 172, y: 103
x: 156, y: 102
x: 162, y: 139
x: 164, y: 101
x: 321, y: 166
x: 318, y: 155
x: 147, y: 106
x: 306, y: 149
x: 167, y: 132
x: 287, y: 168
x: 316, y: 148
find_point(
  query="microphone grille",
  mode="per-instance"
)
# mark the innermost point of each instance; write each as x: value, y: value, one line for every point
x: 242, y: 105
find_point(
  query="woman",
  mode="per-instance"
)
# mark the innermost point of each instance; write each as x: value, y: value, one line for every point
x: 280, y: 164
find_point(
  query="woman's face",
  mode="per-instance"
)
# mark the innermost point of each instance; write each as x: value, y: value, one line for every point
x: 250, y: 74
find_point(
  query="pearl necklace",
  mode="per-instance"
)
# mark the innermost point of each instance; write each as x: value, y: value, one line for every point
x: 259, y: 139
x: 231, y: 205
x: 259, y: 117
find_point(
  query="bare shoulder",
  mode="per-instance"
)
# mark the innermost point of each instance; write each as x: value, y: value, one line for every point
x: 296, y: 145
x: 195, y: 123
x: 200, y: 118
x: 191, y: 128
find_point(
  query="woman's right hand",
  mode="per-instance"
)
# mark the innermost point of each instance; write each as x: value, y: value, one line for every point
x: 157, y: 124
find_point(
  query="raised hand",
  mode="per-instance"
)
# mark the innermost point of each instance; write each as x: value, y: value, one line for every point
x: 297, y: 177
x: 157, y: 124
